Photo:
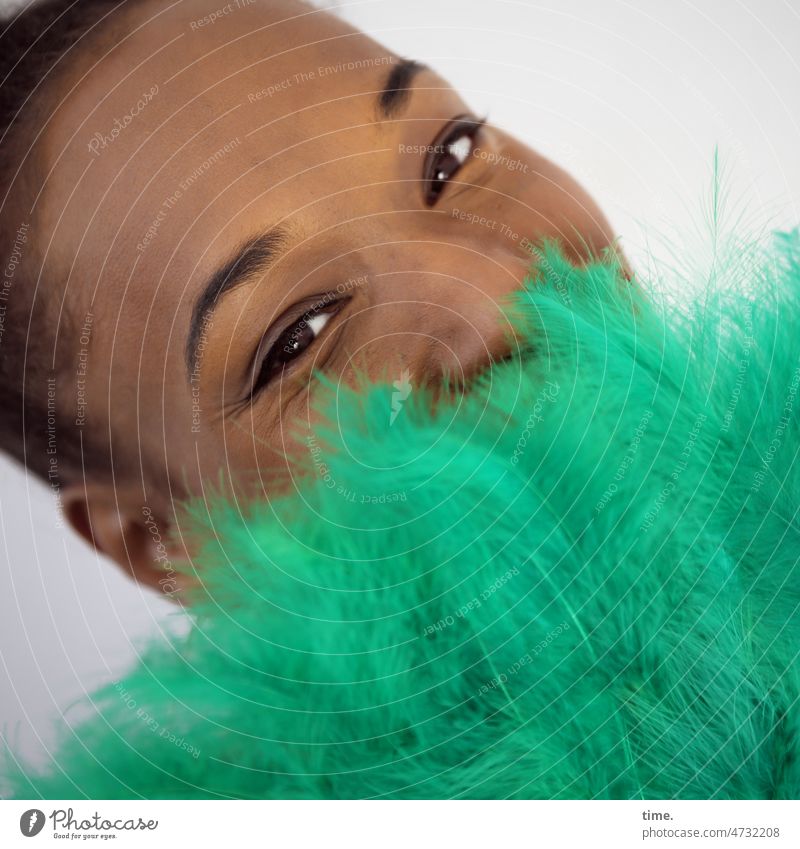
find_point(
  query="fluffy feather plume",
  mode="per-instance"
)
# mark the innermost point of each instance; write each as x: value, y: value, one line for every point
x: 580, y: 580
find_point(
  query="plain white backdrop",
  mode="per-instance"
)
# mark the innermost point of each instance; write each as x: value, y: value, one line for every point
x: 630, y: 97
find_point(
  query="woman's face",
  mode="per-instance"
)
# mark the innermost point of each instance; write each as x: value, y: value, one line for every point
x: 247, y: 193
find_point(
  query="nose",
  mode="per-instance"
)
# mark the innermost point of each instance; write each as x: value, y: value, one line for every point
x: 439, y: 312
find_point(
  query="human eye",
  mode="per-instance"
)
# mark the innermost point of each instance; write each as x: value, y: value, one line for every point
x: 448, y: 153
x: 289, y: 338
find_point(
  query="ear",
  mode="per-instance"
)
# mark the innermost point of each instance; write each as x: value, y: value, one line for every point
x: 116, y: 523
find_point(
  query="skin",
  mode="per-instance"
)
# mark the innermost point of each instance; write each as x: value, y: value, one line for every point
x: 425, y: 282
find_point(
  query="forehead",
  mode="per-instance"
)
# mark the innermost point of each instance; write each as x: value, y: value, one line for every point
x: 190, y: 108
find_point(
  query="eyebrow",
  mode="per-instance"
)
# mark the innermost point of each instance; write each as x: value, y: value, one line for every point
x: 396, y: 88
x: 257, y: 255
x: 252, y: 257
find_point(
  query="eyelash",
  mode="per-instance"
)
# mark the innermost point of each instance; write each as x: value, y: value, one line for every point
x: 435, y: 176
x: 271, y: 364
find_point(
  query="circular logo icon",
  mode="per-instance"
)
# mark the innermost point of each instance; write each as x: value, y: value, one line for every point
x: 31, y: 822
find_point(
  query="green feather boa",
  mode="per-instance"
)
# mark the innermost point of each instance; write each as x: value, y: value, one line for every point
x: 580, y: 579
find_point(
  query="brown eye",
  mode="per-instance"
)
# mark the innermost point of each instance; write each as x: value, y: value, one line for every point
x: 447, y: 155
x: 292, y: 343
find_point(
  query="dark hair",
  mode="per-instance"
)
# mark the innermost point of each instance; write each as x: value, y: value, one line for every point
x: 37, y: 42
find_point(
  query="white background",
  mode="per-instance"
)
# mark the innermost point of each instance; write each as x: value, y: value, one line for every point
x: 631, y: 97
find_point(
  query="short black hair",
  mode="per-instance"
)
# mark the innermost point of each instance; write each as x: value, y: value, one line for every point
x: 37, y: 42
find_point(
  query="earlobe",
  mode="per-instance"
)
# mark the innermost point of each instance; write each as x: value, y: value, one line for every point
x: 133, y: 536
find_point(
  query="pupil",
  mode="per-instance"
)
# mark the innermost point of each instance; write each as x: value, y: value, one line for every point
x: 449, y: 165
x: 457, y: 152
x: 296, y: 341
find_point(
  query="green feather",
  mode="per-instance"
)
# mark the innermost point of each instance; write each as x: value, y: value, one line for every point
x: 580, y: 579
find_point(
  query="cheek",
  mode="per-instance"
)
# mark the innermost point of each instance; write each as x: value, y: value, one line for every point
x: 540, y: 199
x: 264, y: 452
